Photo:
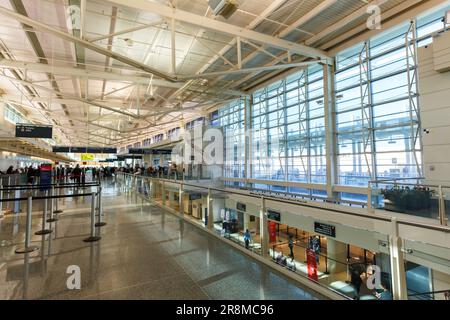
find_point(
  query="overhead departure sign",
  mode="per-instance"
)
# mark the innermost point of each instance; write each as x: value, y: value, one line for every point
x: 25, y: 130
x: 78, y: 149
x: 273, y: 215
x: 87, y: 157
x: 61, y: 149
x: 126, y: 156
x: 92, y: 150
x: 149, y: 151
x: 325, y: 229
x: 241, y: 207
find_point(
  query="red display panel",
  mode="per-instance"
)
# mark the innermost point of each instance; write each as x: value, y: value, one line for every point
x: 272, y: 231
x: 312, y: 265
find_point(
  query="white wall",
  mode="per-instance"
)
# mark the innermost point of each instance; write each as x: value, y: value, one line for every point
x: 434, y: 89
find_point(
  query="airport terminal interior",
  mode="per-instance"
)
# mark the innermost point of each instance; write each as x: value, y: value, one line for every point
x: 225, y: 149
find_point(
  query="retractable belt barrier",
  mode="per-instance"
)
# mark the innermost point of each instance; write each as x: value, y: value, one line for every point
x: 96, y: 206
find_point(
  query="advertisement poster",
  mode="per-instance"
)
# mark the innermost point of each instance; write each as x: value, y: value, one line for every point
x: 312, y: 264
x: 45, y: 175
x: 272, y: 231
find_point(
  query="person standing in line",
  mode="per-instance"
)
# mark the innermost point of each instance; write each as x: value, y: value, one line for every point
x: 247, y: 238
x: 83, y: 176
x: 30, y: 175
x: 77, y: 174
x: 10, y: 170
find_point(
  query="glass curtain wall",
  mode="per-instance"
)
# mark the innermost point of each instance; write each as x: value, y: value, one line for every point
x: 289, y: 129
x: 231, y: 119
x: 376, y: 114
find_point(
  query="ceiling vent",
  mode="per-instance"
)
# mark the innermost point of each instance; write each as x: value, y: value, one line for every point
x: 224, y: 8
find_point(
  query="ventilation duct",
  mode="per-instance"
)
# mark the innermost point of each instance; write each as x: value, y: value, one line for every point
x: 224, y: 8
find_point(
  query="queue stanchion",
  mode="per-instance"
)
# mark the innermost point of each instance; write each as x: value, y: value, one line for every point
x: 52, y: 201
x: 57, y: 210
x: 44, y: 231
x: 1, y: 198
x: 93, y: 236
x: 28, y: 247
x: 100, y: 222
x: 8, y: 196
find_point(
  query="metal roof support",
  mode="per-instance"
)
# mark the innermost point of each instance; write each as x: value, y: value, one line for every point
x: 208, y: 23
x: 130, y: 30
x: 88, y: 45
x: 249, y: 70
x: 90, y: 102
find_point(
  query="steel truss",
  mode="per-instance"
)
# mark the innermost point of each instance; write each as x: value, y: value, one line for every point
x: 413, y: 89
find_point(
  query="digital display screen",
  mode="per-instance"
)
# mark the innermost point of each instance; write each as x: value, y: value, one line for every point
x: 241, y: 207
x: 273, y: 215
x: 325, y: 229
x: 33, y: 131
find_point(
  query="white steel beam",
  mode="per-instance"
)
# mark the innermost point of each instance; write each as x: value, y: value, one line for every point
x: 254, y: 23
x: 256, y: 69
x: 260, y: 48
x: 86, y: 44
x: 239, y: 52
x: 208, y: 23
x: 90, y: 102
x: 92, y: 74
x: 173, y: 45
x: 83, y: 18
x: 118, y: 33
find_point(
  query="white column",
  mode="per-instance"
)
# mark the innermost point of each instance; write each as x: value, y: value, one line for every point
x: 264, y: 229
x: 398, y: 276
x: 330, y: 129
x: 336, y: 252
x: 246, y: 221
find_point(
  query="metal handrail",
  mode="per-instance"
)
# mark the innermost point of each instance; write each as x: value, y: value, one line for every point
x: 428, y: 293
x: 445, y: 229
x: 56, y: 186
x: 393, y: 179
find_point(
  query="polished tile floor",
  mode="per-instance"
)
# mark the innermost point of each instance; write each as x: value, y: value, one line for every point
x: 145, y: 253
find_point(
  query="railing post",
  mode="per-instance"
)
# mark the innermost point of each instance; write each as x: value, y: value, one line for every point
x: 180, y: 199
x: 100, y: 222
x: 93, y: 236
x: 163, y: 193
x: 369, y: 199
x: 52, y: 216
x: 442, y: 215
x: 1, y: 198
x: 58, y: 192
x: 44, y: 231
x: 8, y: 196
x: 209, y: 207
x: 28, y: 247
